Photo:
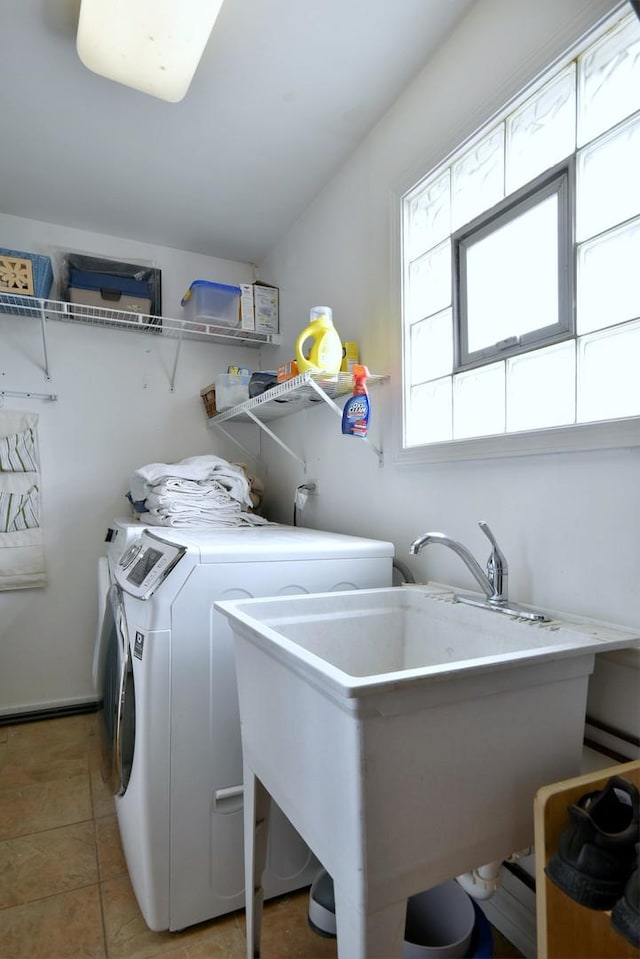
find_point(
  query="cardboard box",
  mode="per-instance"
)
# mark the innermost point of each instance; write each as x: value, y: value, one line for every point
x: 349, y: 357
x: 208, y: 395
x: 247, y: 314
x: 265, y: 306
x: 259, y: 307
x: 287, y: 371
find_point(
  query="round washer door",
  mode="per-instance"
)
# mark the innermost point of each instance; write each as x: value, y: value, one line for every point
x: 119, y: 717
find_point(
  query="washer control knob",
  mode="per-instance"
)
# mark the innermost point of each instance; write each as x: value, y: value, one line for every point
x: 129, y: 555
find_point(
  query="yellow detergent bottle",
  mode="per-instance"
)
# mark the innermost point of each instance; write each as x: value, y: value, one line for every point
x: 325, y: 354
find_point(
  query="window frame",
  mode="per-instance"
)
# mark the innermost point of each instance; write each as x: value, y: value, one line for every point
x: 559, y: 181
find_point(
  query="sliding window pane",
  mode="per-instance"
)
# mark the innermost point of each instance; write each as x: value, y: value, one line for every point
x: 512, y: 277
x: 609, y: 279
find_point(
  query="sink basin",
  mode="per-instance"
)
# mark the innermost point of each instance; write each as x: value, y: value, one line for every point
x: 369, y: 639
x: 405, y: 736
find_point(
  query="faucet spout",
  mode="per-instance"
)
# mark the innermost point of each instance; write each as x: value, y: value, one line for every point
x: 467, y: 558
x: 493, y: 584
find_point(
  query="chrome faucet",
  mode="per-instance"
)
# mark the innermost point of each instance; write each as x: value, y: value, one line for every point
x: 493, y: 583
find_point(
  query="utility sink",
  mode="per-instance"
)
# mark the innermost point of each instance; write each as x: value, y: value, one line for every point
x: 405, y: 736
x: 364, y: 640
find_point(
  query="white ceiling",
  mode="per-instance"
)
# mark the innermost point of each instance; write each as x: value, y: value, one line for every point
x: 284, y: 92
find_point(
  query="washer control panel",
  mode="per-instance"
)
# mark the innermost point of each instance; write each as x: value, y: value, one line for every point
x: 145, y: 564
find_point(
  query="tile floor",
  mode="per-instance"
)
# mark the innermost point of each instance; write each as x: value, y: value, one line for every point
x: 64, y: 889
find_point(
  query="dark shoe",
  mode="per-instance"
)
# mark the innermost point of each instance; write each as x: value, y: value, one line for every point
x: 596, y: 852
x: 625, y: 915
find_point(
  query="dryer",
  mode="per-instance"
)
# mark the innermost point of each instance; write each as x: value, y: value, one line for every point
x: 171, y: 710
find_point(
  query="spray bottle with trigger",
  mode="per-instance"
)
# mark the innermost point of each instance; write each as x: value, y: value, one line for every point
x: 355, y: 415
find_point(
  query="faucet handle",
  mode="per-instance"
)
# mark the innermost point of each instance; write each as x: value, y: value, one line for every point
x: 487, y: 532
x: 497, y: 566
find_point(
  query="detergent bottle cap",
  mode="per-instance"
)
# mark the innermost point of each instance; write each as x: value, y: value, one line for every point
x: 320, y: 313
x: 360, y: 373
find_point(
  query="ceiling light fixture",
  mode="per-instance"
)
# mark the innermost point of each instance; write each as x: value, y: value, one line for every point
x: 151, y: 45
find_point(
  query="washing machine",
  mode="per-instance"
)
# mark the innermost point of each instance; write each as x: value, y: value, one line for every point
x: 172, y: 725
x: 120, y: 534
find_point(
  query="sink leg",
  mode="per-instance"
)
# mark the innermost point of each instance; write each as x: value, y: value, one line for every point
x: 368, y: 935
x: 257, y: 806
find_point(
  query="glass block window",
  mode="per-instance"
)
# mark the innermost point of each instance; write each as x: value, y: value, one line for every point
x: 483, y: 262
x: 542, y: 131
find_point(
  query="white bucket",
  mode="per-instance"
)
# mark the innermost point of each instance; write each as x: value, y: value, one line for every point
x: 439, y: 924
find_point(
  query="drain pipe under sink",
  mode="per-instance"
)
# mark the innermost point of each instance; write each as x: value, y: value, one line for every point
x: 482, y: 882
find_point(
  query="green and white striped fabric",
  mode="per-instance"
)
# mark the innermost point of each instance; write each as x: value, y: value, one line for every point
x: 19, y: 511
x: 18, y: 452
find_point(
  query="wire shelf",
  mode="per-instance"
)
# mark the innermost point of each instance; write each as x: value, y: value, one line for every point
x: 302, y: 392
x: 135, y: 322
x: 293, y: 395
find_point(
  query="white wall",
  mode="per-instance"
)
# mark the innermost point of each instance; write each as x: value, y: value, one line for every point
x: 115, y: 412
x: 568, y: 523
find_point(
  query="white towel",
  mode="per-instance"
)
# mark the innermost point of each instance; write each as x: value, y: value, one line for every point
x: 190, y: 521
x: 187, y: 505
x: 193, y: 520
x: 183, y: 491
x: 195, y: 468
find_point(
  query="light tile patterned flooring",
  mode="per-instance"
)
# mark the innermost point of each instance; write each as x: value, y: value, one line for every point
x: 64, y: 889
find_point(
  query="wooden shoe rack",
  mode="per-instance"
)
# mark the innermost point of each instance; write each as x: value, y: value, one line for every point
x: 567, y: 930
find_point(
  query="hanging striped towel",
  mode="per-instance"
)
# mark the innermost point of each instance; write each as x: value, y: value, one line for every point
x: 22, y: 563
x: 18, y: 452
x: 19, y: 510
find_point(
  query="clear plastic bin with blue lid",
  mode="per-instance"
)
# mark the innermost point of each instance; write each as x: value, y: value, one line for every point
x: 215, y: 303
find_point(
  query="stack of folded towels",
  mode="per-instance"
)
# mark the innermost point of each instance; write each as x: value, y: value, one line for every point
x: 198, y: 491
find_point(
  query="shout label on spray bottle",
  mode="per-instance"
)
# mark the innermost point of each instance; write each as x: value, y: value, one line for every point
x: 355, y: 415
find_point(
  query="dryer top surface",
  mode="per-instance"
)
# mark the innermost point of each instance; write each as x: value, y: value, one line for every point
x: 270, y: 543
